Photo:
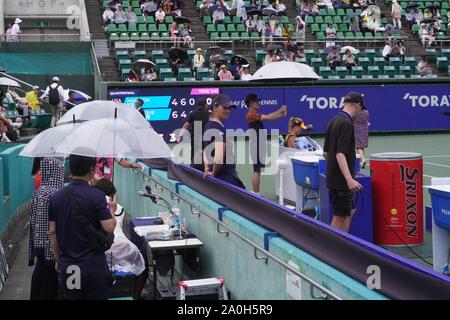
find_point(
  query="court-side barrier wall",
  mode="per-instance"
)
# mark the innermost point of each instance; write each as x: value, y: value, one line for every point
x: 230, y: 256
x: 16, y: 183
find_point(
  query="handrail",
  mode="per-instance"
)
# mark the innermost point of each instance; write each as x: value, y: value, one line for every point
x: 36, y: 37
x: 313, y: 284
x: 97, y: 66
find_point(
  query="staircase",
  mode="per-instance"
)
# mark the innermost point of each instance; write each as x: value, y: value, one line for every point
x: 107, y: 64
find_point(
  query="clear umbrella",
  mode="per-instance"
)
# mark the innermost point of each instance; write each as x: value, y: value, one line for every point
x: 4, y: 81
x: 100, y: 109
x: 110, y: 138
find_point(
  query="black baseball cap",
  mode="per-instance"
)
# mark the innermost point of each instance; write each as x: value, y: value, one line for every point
x: 222, y: 100
x: 355, y: 97
x: 250, y: 98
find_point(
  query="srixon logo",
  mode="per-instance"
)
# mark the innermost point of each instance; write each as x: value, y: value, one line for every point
x: 409, y: 178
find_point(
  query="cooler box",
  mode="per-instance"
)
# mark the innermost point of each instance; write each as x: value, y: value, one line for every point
x: 440, y: 200
x: 306, y: 171
x: 397, y: 180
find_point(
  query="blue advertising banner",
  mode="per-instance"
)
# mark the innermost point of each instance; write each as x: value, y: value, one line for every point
x: 391, y: 107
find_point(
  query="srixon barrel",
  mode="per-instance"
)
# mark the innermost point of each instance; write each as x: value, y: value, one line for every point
x: 397, y: 180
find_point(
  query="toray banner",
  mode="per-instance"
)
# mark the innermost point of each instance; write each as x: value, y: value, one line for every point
x: 391, y: 107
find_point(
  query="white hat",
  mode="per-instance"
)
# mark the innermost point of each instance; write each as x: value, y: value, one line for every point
x: 55, y: 79
x: 245, y: 65
x: 18, y: 20
x: 199, y: 49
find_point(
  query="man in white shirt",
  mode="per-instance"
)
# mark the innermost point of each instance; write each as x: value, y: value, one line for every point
x: 159, y: 16
x: 120, y: 16
x: 15, y: 30
x: 108, y: 15
x: 218, y: 15
x: 56, y: 106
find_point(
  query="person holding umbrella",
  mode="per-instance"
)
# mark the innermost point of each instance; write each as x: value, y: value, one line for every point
x: 255, y: 120
x: 199, y: 60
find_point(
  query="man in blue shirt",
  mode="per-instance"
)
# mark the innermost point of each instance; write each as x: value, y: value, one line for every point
x: 70, y: 246
x: 217, y: 155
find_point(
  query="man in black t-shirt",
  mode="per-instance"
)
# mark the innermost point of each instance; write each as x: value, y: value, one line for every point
x: 217, y: 153
x: 195, y: 123
x: 340, y: 153
x: 139, y: 104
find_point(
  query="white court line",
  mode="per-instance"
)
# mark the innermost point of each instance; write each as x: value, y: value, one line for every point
x: 437, y: 164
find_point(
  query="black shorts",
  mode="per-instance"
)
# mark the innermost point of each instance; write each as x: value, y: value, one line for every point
x: 258, y: 166
x: 342, y: 202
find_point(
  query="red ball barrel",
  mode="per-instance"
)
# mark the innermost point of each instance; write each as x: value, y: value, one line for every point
x: 397, y: 198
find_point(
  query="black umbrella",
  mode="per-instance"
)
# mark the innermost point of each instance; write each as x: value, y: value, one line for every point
x: 429, y: 20
x: 239, y: 60
x: 254, y: 12
x: 219, y: 57
x: 182, y: 20
x: 216, y: 50
x: 412, y: 5
x: 177, y: 53
x: 273, y: 47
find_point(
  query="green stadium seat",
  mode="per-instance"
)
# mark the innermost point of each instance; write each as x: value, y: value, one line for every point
x: 319, y: 20
x: 154, y: 36
x: 161, y: 64
x: 358, y: 71
x: 331, y: 12
x: 411, y: 61
x: 184, y: 73
x: 442, y: 63
x: 132, y: 28
x: 168, y: 19
x: 323, y: 12
x: 125, y: 73
x: 341, y: 71
x: 124, y: 36
x: 165, y: 73
x: 431, y: 76
x: 368, y: 36
x: 122, y: 28
x: 260, y: 56
x: 135, y: 36
x: 227, y: 20
x: 255, y: 36
x: 445, y: 53
x: 315, y: 28
x: 112, y: 28
x: 114, y: 36
x: 210, y: 28
x: 349, y: 35
x: 363, y: 62
x: 328, y: 20
x: 145, y: 36
x: 374, y: 71
x: 389, y: 71
x: 379, y: 62
x: 121, y: 54
x: 301, y: 60
x: 231, y: 28
x: 189, y: 79
x: 350, y: 77
x: 395, y: 61
x: 162, y: 27
x: 245, y: 36
x: 202, y: 73
x: 157, y: 54
x: 169, y: 79
x: 214, y: 36
x: 309, y: 53
x: 240, y: 28
x: 333, y: 77
x: 125, y: 64
x: 367, y: 76
x: 338, y: 20
x: 164, y: 36
x: 225, y: 36
x: 152, y: 27
x: 237, y: 20
x: 208, y: 79
x: 142, y: 28
x: 316, y: 63
x: 320, y: 36
x: 406, y: 71
x: 150, y: 19
x: 207, y: 20
x: 221, y: 28
x: 399, y: 76
x: 359, y: 36
x: 324, y: 72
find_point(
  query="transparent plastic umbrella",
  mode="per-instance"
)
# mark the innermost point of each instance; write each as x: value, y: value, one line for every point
x: 110, y: 138
x: 4, y: 81
x: 101, y: 109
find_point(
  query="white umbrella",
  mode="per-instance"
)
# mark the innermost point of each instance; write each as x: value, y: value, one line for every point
x: 79, y: 95
x: 110, y: 138
x: 100, y: 109
x: 4, y: 81
x: 352, y: 49
x: 284, y: 71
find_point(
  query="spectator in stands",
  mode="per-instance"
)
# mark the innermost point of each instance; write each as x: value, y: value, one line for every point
x: 250, y: 25
x: 160, y: 15
x: 266, y: 33
x: 387, y: 50
x: 292, y: 49
x: 224, y: 74
x: 218, y: 15
x: 149, y: 75
x: 120, y: 16
x: 277, y: 33
x: 55, y: 95
x: 354, y: 26
x: 330, y: 35
x: 348, y: 59
x: 271, y: 56
x: 198, y: 61
x: 132, y: 76
x: 33, y: 99
x: 304, y: 10
x: 176, y: 12
x: 149, y: 8
x: 185, y: 34
x: 167, y: 7
x: 422, y: 67
x: 244, y: 73
x: 286, y: 31
x: 236, y: 66
x: 15, y: 30
x: 281, y: 9
x: 300, y: 30
x: 239, y: 5
x: 333, y: 59
x: 427, y: 14
x: 174, y: 33
x: 401, y: 49
x: 205, y: 6
x: 396, y: 14
x: 131, y: 17
x: 313, y: 8
x: 8, y: 32
x: 21, y: 104
x: 362, y: 4
x: 44, y: 282
x: 425, y: 36
x: 108, y: 17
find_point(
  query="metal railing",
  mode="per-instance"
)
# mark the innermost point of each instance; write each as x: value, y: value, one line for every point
x: 325, y: 293
x: 48, y: 37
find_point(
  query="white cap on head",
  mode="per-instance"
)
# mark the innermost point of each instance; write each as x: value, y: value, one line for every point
x: 17, y: 20
x: 55, y: 79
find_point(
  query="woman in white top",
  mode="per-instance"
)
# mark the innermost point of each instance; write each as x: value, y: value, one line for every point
x: 108, y: 15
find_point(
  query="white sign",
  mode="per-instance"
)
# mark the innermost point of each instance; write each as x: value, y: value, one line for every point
x: 293, y: 282
x: 23, y: 8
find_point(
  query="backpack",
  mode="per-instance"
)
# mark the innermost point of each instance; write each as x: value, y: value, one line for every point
x: 53, y: 96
